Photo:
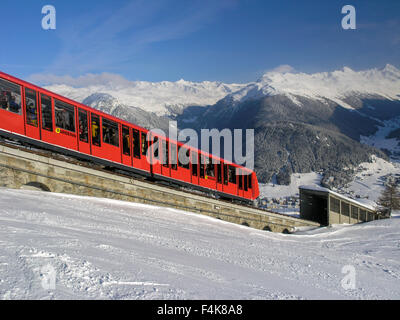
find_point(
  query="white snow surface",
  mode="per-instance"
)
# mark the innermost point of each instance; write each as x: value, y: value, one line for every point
x: 158, y: 96
x: 108, y: 249
x: 369, y: 181
x: 273, y: 190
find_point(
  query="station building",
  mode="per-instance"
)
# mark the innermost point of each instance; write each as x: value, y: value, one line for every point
x: 328, y: 207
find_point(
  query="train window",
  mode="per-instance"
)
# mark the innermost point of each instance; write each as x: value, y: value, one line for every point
x: 240, y: 177
x: 219, y: 173
x: 47, y: 114
x: 201, y: 162
x: 110, y: 132
x: 183, y: 157
x: 156, y: 148
x: 10, y: 96
x: 31, y: 108
x: 249, y: 178
x: 245, y: 180
x: 126, y: 141
x: 194, y: 164
x: 225, y: 174
x: 173, y: 156
x: 136, y: 143
x: 65, y: 115
x: 83, y: 126
x: 165, y: 153
x: 232, y: 174
x: 210, y: 168
x: 145, y: 143
x: 96, y: 130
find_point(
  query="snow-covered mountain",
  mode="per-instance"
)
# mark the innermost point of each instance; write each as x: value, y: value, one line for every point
x: 154, y: 97
x: 335, y: 86
x: 163, y: 97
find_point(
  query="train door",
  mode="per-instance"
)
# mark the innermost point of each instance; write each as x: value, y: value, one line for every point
x: 64, y: 116
x: 156, y: 151
x: 240, y: 179
x: 140, y: 146
x: 31, y: 114
x: 11, y: 115
x: 126, y: 138
x: 184, y: 164
x: 83, y: 142
x: 165, y: 167
x: 231, y: 185
x: 110, y: 147
x: 173, y: 158
x: 247, y: 192
x: 95, y: 134
x: 47, y: 119
x: 219, y: 175
x: 207, y: 177
x: 194, y: 164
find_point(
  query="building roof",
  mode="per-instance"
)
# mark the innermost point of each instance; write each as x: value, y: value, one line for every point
x: 368, y: 204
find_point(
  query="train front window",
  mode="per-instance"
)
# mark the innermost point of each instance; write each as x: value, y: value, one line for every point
x: 83, y: 126
x: 126, y: 141
x: 31, y: 108
x: 47, y: 114
x: 10, y: 96
x: 65, y: 115
x: 96, y: 130
x: 136, y: 143
x: 249, y: 181
x: 110, y: 132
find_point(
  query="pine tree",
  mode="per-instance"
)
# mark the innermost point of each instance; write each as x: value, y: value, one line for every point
x: 390, y: 197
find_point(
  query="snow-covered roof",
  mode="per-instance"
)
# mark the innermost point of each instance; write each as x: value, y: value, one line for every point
x: 368, y: 204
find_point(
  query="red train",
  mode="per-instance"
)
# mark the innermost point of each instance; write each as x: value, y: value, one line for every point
x: 48, y: 120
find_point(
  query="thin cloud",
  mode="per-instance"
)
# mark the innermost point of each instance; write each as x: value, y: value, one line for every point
x: 102, y: 41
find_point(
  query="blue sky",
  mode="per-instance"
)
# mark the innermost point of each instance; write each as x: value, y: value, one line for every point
x: 216, y: 40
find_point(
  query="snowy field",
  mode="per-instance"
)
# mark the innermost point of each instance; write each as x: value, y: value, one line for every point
x: 107, y: 249
x: 273, y: 190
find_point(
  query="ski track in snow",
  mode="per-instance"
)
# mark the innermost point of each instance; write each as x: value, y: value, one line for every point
x: 109, y: 249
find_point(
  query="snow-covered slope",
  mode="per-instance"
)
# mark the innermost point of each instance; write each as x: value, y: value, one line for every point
x: 335, y: 86
x: 107, y: 249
